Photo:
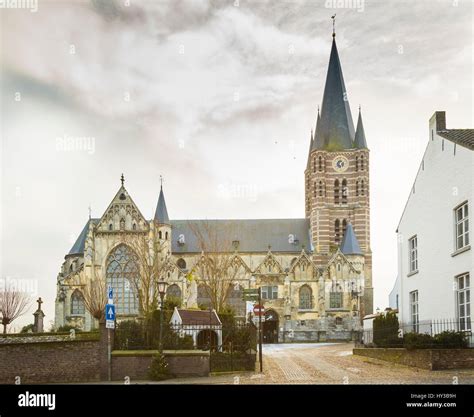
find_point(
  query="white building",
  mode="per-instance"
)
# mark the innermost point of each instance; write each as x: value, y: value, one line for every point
x: 435, y: 260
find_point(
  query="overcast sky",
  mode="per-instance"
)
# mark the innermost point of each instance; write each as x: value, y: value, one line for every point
x: 219, y: 97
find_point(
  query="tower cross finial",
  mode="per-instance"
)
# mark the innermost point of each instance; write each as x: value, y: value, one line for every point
x: 161, y: 181
x: 122, y: 179
x: 39, y: 301
x: 90, y: 211
x: 333, y: 25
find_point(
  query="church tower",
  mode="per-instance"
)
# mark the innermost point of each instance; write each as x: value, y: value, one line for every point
x: 337, y: 178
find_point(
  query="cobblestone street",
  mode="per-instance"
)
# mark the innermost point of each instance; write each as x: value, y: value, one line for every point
x: 326, y: 363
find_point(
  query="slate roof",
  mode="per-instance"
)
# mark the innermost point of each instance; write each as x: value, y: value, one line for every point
x: 337, y: 127
x: 253, y: 235
x: 463, y: 137
x: 200, y: 317
x: 360, y: 141
x: 350, y: 244
x: 78, y: 247
x: 161, y: 213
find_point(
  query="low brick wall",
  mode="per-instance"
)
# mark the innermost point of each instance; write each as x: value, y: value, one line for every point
x: 49, y: 361
x: 135, y: 364
x: 431, y: 359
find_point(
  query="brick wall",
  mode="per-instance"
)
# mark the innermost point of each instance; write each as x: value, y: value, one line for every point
x: 43, y: 361
x: 432, y: 359
x: 135, y: 365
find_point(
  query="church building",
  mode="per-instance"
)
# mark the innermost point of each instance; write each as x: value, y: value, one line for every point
x: 315, y: 273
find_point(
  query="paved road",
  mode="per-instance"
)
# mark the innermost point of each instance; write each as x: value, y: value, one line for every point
x: 329, y: 363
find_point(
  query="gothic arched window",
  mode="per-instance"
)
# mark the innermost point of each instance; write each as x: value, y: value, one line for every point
x: 203, y: 296
x: 357, y: 188
x: 314, y: 165
x: 362, y: 162
x: 336, y: 192
x: 320, y: 164
x: 305, y: 298
x: 166, y: 236
x: 337, y: 231
x: 362, y: 190
x: 111, y: 226
x: 315, y: 189
x: 344, y: 191
x: 77, y: 303
x: 122, y: 272
x: 234, y: 299
x: 357, y: 163
x: 321, y: 192
x: 173, y: 291
x: 344, y: 226
x: 134, y: 227
x: 181, y: 263
x: 160, y: 235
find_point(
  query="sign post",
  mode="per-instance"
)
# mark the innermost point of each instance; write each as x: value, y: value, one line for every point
x: 109, y: 325
x: 260, y: 338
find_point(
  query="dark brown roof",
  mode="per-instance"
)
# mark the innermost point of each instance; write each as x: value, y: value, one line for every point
x: 463, y: 137
x: 190, y: 317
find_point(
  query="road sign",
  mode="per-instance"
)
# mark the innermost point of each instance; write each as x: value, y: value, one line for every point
x: 251, y: 291
x: 258, y: 310
x: 110, y: 316
x: 110, y: 293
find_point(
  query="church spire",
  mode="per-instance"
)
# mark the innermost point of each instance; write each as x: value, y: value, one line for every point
x: 337, y: 127
x: 350, y: 244
x: 161, y: 213
x: 360, y: 141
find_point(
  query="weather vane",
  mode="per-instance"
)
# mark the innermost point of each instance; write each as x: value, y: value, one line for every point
x: 122, y: 179
x: 161, y: 181
x: 333, y: 25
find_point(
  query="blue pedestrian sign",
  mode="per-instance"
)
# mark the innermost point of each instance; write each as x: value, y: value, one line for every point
x: 110, y: 316
x: 110, y: 293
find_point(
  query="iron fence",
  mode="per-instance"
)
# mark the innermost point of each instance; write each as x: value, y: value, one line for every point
x: 437, y: 333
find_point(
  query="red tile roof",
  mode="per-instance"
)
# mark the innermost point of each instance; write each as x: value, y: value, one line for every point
x: 199, y: 317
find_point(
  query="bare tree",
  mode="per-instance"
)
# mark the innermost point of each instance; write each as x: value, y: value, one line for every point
x: 95, y: 296
x: 215, y: 269
x: 13, y: 304
x: 154, y: 262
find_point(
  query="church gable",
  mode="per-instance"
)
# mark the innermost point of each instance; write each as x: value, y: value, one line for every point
x: 122, y: 215
x: 340, y: 264
x: 270, y: 265
x: 237, y: 264
x: 302, y: 265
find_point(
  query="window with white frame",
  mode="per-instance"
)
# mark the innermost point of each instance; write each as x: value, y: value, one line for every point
x: 414, y: 310
x: 413, y: 253
x: 461, y: 217
x: 464, y: 301
x: 270, y: 292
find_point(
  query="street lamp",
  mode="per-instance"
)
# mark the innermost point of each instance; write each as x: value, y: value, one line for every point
x: 162, y: 291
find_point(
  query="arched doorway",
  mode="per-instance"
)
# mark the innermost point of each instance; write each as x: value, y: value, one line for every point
x: 204, y: 337
x: 270, y: 327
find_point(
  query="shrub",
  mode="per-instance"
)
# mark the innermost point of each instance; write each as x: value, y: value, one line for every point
x: 28, y: 328
x: 129, y: 335
x: 418, y: 341
x: 67, y: 328
x: 386, y: 330
x: 451, y: 340
x: 158, y: 370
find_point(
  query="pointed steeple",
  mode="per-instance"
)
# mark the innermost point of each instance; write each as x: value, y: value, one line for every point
x: 359, y: 141
x: 337, y: 128
x: 318, y: 140
x: 161, y: 213
x: 350, y: 244
x: 311, y: 141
